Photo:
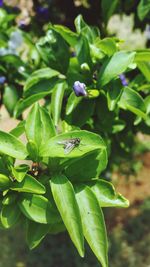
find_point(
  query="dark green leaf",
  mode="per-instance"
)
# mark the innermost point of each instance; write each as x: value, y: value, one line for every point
x: 93, y: 223
x: 37, y: 208
x: 65, y: 200
x: 9, y: 215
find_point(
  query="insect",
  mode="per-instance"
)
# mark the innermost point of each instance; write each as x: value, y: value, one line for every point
x: 69, y: 144
x: 35, y: 168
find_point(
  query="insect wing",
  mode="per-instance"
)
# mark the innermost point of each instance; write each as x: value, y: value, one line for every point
x: 64, y: 142
x: 68, y: 148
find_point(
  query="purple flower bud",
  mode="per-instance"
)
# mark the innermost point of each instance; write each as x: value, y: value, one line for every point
x: 79, y: 89
x: 2, y: 79
x: 1, y: 3
x: 123, y: 79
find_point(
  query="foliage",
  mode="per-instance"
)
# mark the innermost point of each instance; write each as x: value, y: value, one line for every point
x: 69, y: 138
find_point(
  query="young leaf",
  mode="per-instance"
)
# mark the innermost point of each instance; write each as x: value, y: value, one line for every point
x: 29, y: 185
x: 39, y: 126
x: 106, y: 194
x: 131, y: 100
x: 11, y: 146
x: 35, y: 233
x: 10, y: 98
x: 114, y: 66
x: 9, y: 215
x: 38, y: 209
x: 56, y: 101
x: 93, y: 222
x: 88, y: 143
x: 65, y: 200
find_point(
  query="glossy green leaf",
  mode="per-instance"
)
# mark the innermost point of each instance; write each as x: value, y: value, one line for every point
x: 19, y: 172
x: 87, y: 167
x: 54, y: 50
x: 38, y: 209
x: 143, y: 55
x: 27, y: 102
x: 29, y: 185
x: 106, y: 194
x: 114, y: 66
x: 56, y: 101
x: 39, y: 81
x: 89, y: 142
x: 9, y: 215
x: 39, y: 126
x: 144, y: 67
x: 35, y: 233
x: 70, y: 36
x: 4, y: 182
x: 132, y: 101
x: 10, y: 98
x: 11, y: 146
x: 19, y: 129
x: 65, y: 200
x: 106, y: 45
x: 93, y: 223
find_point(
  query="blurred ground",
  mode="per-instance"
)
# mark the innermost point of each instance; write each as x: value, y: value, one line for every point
x: 128, y: 230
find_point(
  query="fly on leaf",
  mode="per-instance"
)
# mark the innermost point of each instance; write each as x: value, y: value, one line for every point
x: 69, y: 144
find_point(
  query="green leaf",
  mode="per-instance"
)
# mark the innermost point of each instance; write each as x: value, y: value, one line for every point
x: 85, y: 108
x: 57, y: 228
x: 25, y: 103
x: 9, y: 199
x: 4, y: 182
x: 19, y: 172
x: 132, y: 101
x: 19, y: 129
x: 72, y: 102
x: 39, y: 126
x: 79, y: 23
x: 11, y: 146
x: 143, y: 55
x: 54, y: 50
x: 87, y: 167
x: 70, y: 36
x: 10, y: 98
x: 143, y: 9
x: 106, y: 194
x: 108, y: 8
x: 144, y: 67
x: 33, y: 151
x: 83, y: 51
x: 106, y: 45
x: 9, y: 215
x: 29, y: 185
x: 65, y: 200
x: 93, y: 222
x: 56, y: 101
x: 89, y: 142
x: 40, y: 80
x: 114, y: 66
x: 35, y: 233
x: 38, y: 209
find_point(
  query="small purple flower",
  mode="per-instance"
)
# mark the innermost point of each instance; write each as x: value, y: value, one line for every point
x: 79, y: 89
x: 1, y: 3
x: 2, y: 79
x: 123, y: 79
